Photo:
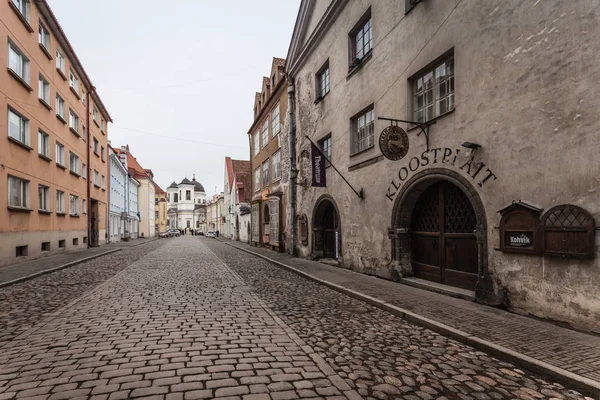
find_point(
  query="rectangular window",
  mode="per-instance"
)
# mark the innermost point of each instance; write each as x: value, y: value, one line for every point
x: 83, y: 171
x: 276, y: 160
x: 188, y: 194
x: 60, y: 106
x: 102, y: 124
x: 73, y: 81
x: 73, y: 121
x: 102, y: 152
x: 325, y: 145
x: 275, y: 120
x: 43, y: 198
x: 73, y: 162
x: 176, y: 197
x: 256, y: 143
x: 44, y: 90
x: 257, y: 179
x: 323, y: 81
x: 83, y: 133
x: 363, y: 131
x: 43, y: 144
x: 60, y: 154
x: 96, y: 146
x: 24, y: 7
x: 18, y: 192
x: 60, y: 61
x: 95, y: 114
x: 18, y: 127
x: 96, y: 178
x: 102, y: 185
x: 265, y: 173
x: 83, y: 207
x: 361, y: 39
x: 17, y: 62
x: 434, y: 91
x: 265, y: 133
x: 73, y: 205
x: 43, y: 36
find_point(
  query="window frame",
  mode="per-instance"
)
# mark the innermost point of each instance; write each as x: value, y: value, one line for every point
x: 276, y: 166
x: 73, y: 157
x: 73, y: 121
x: 450, y: 94
x: 43, y: 87
x: 24, y: 127
x: 73, y: 81
x: 264, y: 133
x: 354, y: 59
x: 43, y: 144
x: 43, y: 33
x: 354, y: 130
x: 276, y: 118
x: 59, y: 156
x: 60, y: 106
x: 265, y: 172
x: 44, y: 197
x: 328, y: 154
x: 257, y: 179
x: 96, y: 178
x: 321, y: 93
x: 24, y: 7
x: 61, y: 62
x: 83, y: 171
x: 23, y: 192
x: 60, y: 202
x: 256, y: 142
x: 24, y: 67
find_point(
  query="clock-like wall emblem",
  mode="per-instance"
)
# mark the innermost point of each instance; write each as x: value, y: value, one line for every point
x: 393, y: 142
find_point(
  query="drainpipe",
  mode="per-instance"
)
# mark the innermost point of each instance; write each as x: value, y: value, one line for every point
x: 87, y: 140
x: 293, y: 169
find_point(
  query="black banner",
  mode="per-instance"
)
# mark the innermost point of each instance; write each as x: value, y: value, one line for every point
x: 318, y: 167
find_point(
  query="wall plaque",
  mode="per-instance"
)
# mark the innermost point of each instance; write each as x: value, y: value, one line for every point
x: 519, y: 228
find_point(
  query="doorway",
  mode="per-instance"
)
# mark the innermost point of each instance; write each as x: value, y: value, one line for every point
x: 326, y: 227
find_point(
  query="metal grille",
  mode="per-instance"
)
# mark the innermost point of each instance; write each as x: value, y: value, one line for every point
x: 425, y: 217
x: 567, y: 217
x: 458, y: 211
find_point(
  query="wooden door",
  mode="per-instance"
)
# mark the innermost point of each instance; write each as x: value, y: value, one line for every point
x: 329, y: 232
x: 444, y: 248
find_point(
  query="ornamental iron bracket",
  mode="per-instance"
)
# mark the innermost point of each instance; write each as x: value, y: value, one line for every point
x: 424, y: 126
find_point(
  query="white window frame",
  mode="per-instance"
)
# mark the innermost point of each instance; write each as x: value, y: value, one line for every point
x: 363, y: 131
x: 102, y: 123
x: 24, y: 7
x: 60, y: 154
x: 264, y: 133
x: 265, y: 172
x: 43, y: 143
x: 60, y: 106
x: 73, y: 81
x: 22, y: 135
x: 73, y: 204
x: 96, y: 143
x: 44, y: 89
x: 276, y: 164
x: 103, y: 182
x: 96, y: 178
x: 83, y: 171
x: 256, y: 142
x: 323, y: 81
x: 60, y: 61
x: 325, y: 145
x: 83, y: 206
x: 257, y: 179
x: 95, y: 114
x: 73, y: 121
x: 60, y: 202
x: 22, y: 192
x: 18, y: 62
x: 43, y: 36
x: 433, y: 90
x: 275, y: 120
x: 43, y: 198
x: 73, y: 162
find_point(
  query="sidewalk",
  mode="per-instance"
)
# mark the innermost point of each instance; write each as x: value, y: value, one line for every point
x: 15, y: 273
x: 562, y: 354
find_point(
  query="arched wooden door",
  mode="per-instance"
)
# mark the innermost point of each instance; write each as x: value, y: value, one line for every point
x: 444, y: 247
x: 330, y: 226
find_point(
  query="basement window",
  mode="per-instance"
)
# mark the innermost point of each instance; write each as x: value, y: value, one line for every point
x: 75, y: 241
x: 46, y: 246
x: 21, y: 251
x: 61, y: 244
x: 85, y: 240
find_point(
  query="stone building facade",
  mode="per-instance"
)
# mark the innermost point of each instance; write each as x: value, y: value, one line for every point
x: 496, y: 190
x: 236, y: 199
x: 161, y: 223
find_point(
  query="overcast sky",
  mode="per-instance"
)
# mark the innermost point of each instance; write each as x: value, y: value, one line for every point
x: 186, y: 69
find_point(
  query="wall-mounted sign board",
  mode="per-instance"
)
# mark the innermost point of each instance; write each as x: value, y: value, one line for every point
x: 519, y: 228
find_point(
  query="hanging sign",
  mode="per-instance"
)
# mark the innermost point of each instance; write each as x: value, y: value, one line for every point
x: 393, y: 142
x: 318, y: 167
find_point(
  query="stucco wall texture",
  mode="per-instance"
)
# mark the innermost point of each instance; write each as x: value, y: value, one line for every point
x: 525, y: 78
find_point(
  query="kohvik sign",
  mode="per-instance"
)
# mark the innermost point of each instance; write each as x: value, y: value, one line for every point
x: 478, y: 172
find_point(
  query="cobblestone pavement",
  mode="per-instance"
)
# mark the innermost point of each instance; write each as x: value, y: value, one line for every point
x: 378, y: 354
x: 24, y: 304
x: 176, y: 324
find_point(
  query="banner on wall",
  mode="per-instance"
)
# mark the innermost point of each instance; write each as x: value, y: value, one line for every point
x: 318, y: 167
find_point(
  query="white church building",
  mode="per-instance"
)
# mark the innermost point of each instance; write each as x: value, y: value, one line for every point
x: 186, y: 205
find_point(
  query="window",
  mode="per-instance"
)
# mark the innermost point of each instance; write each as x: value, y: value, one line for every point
x: 83, y: 97
x: 361, y: 39
x: 256, y: 143
x: 73, y: 205
x: 155, y: 214
x: 60, y: 154
x: 96, y: 178
x: 434, y: 91
x: 276, y: 160
x: 102, y: 186
x: 325, y: 145
x: 45, y: 246
x: 43, y: 198
x: 24, y: 7
x: 257, y: 179
x: 18, y: 127
x: 73, y: 121
x: 18, y: 192
x: 188, y: 194
x: 265, y: 133
x: 275, y: 120
x: 44, y: 90
x: 323, y: 81
x: 102, y: 124
x: 83, y: 133
x: 21, y: 251
x: 73, y: 81
x: 176, y: 197
x: 84, y: 207
x: 102, y: 152
x: 362, y: 131
x: 73, y: 162
x: 60, y: 107
x: 83, y: 171
x: 43, y: 36
x: 43, y: 144
x: 265, y: 173
x: 96, y: 146
x: 188, y: 223
x: 60, y: 61
x: 61, y: 244
x: 95, y: 114
x: 17, y: 62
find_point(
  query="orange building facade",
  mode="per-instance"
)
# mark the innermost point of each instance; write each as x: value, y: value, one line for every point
x: 53, y: 163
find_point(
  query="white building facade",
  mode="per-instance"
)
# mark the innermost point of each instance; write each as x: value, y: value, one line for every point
x: 186, y: 203
x: 117, y: 197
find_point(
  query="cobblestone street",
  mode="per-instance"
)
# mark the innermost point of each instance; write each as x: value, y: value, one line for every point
x: 180, y: 323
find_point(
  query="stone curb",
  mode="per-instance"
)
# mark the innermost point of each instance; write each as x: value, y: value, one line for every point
x: 48, y: 271
x: 587, y: 386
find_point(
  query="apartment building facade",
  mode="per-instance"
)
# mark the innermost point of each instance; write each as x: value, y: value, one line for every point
x: 48, y: 203
x: 117, y: 198
x: 160, y: 210
x: 490, y: 185
x: 268, y: 150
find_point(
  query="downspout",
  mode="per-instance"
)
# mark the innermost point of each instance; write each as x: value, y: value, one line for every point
x: 87, y: 140
x: 293, y: 169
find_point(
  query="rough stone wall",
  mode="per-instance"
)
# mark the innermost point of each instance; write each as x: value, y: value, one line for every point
x: 525, y: 76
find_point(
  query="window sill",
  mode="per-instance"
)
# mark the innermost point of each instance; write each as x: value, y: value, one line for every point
x: 96, y: 122
x: 61, y: 166
x: 363, y: 61
x: 101, y: 130
x: 97, y: 154
x: 19, y: 79
x: 104, y: 190
x: 96, y: 186
x: 18, y: 142
x: 320, y: 99
x: 61, y: 119
x: 75, y: 132
x: 45, y: 51
x: 44, y: 212
x: 21, y: 17
x: 362, y: 151
x: 61, y: 73
x: 19, y: 209
x: 61, y: 214
x: 74, y: 215
x: 74, y: 173
x: 43, y: 157
x: 45, y: 104
x: 432, y: 120
x: 75, y: 93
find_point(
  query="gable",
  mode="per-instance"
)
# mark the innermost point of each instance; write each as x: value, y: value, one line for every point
x: 319, y: 7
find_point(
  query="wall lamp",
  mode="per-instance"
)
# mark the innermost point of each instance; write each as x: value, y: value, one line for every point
x: 471, y: 147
